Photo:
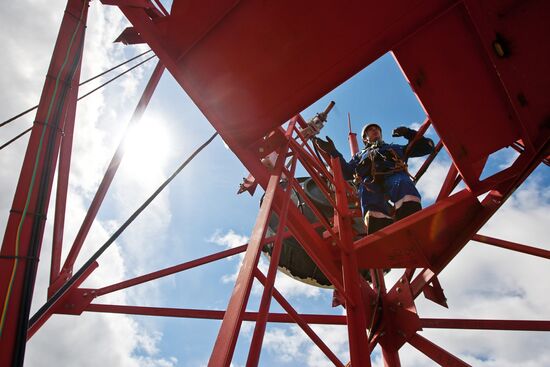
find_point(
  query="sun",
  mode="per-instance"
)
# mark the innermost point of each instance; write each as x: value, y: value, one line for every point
x: 147, y: 149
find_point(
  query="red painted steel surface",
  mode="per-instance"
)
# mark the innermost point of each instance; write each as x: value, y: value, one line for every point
x: 214, y: 314
x: 421, y: 238
x: 356, y: 312
x: 478, y: 102
x: 478, y: 69
x: 62, y: 186
x: 436, y: 353
x: 290, y: 60
x: 512, y: 246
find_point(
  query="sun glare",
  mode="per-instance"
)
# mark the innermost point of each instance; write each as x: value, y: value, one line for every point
x: 147, y: 149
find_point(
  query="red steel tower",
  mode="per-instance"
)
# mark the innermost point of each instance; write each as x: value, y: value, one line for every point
x: 474, y: 65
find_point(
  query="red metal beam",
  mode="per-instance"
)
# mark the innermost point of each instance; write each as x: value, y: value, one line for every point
x: 213, y: 314
x: 36, y: 325
x: 512, y: 246
x: 509, y: 79
x: 520, y: 325
x: 63, y: 181
x: 449, y: 184
x: 25, y: 228
x: 356, y: 315
x: 428, y: 162
x: 312, y: 166
x: 259, y: 328
x: 526, y: 163
x: 171, y: 270
x: 390, y: 357
x: 222, y: 354
x: 436, y: 353
x: 110, y: 173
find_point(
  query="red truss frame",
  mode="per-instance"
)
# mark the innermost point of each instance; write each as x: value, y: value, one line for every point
x: 415, y: 244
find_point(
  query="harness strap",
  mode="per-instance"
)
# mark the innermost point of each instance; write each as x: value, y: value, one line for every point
x: 400, y: 165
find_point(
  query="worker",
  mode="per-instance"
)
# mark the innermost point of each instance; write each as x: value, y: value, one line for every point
x: 380, y: 169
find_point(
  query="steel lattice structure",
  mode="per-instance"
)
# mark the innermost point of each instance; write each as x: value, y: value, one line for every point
x: 474, y: 65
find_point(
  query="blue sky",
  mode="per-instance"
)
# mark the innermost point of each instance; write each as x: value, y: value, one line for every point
x: 200, y: 213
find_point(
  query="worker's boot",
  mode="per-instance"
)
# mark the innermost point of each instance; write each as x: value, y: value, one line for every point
x: 408, y: 208
x: 375, y: 224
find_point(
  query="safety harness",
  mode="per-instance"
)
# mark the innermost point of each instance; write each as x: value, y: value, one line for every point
x: 399, y: 164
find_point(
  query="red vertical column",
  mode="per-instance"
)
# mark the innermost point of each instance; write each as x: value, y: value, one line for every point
x: 63, y: 180
x: 357, y: 323
x: 25, y: 229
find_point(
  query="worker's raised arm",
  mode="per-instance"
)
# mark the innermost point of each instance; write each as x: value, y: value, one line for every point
x: 423, y: 146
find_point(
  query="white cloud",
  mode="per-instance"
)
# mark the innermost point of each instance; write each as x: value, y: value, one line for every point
x: 95, y: 340
x: 291, y: 345
x: 430, y: 184
x: 229, y: 239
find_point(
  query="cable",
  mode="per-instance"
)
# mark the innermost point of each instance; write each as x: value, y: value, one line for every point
x: 79, y: 98
x: 116, y: 77
x: 113, y: 68
x: 51, y: 301
x: 14, y: 139
x: 84, y: 82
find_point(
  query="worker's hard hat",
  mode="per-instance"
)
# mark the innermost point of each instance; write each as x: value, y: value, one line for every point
x: 366, y: 127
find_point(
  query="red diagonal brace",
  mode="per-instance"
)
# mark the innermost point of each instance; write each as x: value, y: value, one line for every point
x: 524, y: 325
x: 63, y: 182
x: 436, y: 353
x: 512, y: 246
x: 111, y: 171
x: 171, y: 270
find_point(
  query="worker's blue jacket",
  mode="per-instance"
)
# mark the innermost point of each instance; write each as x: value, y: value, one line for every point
x: 383, y: 177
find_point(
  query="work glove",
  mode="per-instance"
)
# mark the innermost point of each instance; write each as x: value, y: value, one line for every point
x: 403, y: 131
x: 326, y: 146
